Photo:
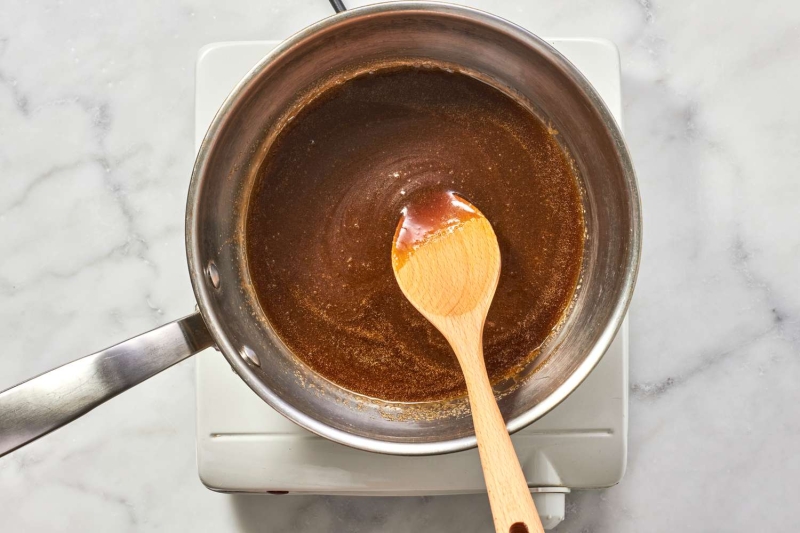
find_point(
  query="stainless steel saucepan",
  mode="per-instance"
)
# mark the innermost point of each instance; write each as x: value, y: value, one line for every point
x: 229, y: 316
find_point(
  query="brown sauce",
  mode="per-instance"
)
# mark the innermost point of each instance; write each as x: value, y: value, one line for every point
x: 326, y: 205
x: 428, y: 214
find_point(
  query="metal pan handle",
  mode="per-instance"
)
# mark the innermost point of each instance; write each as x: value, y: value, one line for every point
x: 338, y: 5
x: 47, y: 402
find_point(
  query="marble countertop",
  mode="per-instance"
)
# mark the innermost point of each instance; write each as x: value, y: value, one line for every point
x: 96, y: 149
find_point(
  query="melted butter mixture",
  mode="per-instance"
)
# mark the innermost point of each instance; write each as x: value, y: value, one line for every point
x: 324, y: 211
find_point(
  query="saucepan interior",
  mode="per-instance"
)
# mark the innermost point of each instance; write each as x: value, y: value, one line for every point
x: 498, y: 52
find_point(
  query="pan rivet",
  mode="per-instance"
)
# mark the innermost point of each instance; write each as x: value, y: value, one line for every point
x: 213, y: 274
x: 250, y: 356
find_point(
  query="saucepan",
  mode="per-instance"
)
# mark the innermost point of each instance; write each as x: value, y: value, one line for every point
x: 228, y: 315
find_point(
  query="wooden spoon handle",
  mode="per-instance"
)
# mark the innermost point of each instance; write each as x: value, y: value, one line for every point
x: 509, y: 496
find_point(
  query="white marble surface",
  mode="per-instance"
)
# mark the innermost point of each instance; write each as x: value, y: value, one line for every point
x: 96, y: 111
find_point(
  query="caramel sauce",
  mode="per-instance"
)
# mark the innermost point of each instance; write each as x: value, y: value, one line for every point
x: 324, y: 211
x: 432, y: 212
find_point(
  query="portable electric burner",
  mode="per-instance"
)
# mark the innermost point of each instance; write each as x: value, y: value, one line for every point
x: 243, y: 445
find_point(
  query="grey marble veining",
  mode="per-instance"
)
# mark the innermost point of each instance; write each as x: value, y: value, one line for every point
x: 96, y: 118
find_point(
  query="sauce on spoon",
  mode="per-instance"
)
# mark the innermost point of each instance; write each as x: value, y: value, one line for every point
x: 432, y: 214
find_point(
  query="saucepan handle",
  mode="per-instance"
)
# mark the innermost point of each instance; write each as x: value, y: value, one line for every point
x: 338, y: 5
x: 47, y: 402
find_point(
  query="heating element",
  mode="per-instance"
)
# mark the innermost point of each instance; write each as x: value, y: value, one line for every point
x: 243, y: 445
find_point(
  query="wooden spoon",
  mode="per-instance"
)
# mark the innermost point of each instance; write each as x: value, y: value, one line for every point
x: 446, y: 259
